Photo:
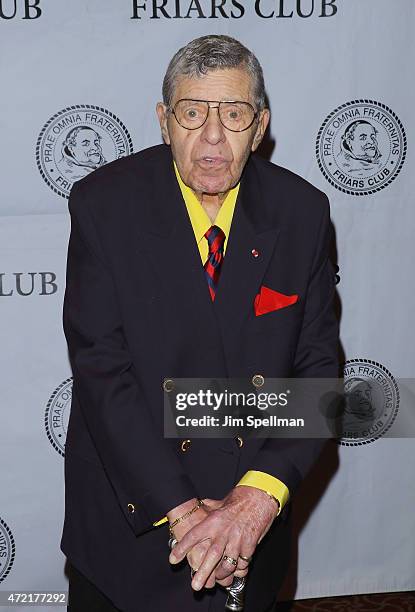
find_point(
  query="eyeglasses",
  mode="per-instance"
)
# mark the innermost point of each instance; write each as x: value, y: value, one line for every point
x: 234, y: 115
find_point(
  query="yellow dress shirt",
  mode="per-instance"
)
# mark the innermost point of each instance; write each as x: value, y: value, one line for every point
x: 201, y: 223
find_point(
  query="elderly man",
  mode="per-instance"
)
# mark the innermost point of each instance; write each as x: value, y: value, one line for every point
x: 169, y: 253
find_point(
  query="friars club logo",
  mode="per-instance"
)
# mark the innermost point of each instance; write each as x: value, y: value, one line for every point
x: 371, y: 402
x: 57, y: 415
x: 76, y: 141
x: 361, y: 147
x: 7, y: 550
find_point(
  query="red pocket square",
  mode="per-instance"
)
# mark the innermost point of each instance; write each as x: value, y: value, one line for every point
x: 268, y: 299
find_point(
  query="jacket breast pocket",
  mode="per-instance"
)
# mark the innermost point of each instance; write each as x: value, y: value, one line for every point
x: 278, y: 320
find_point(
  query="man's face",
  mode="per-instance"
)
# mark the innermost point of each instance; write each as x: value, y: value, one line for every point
x: 364, y: 143
x: 211, y: 158
x: 87, y: 149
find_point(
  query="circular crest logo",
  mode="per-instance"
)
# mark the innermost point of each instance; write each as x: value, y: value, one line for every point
x: 76, y: 141
x: 371, y: 402
x: 57, y: 415
x: 361, y: 147
x: 7, y: 550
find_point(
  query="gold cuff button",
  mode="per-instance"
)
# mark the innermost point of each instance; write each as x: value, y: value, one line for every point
x: 168, y: 384
x: 131, y: 508
x: 258, y: 380
x: 239, y: 441
x: 185, y: 445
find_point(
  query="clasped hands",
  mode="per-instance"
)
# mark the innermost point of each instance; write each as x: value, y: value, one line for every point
x: 233, y: 526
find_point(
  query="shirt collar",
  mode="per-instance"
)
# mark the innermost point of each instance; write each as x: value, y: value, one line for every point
x: 198, y: 216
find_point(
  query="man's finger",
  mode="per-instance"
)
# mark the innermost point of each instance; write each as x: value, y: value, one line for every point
x: 247, y: 550
x: 231, y: 559
x: 211, y: 581
x: 241, y: 569
x: 242, y: 564
x: 195, y: 535
x: 226, y: 581
x: 197, y: 554
x: 228, y: 564
x: 241, y: 573
x: 209, y: 563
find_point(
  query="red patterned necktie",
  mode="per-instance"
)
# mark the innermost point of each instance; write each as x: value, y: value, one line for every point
x: 215, y: 238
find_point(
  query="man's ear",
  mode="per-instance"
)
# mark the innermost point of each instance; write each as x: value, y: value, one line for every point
x: 261, y: 128
x: 161, y: 111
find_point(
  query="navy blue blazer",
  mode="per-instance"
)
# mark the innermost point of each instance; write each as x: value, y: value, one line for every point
x: 137, y: 310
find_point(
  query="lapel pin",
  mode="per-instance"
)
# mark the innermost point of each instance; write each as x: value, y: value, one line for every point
x: 255, y: 253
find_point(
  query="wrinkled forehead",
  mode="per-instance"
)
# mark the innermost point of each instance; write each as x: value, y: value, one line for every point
x: 219, y: 84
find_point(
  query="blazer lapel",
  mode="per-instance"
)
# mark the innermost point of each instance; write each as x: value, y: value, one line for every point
x: 168, y: 238
x: 252, y: 241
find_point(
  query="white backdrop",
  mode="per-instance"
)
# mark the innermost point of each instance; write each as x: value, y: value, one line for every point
x: 65, y: 64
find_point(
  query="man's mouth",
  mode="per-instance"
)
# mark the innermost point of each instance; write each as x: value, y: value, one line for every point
x: 212, y: 161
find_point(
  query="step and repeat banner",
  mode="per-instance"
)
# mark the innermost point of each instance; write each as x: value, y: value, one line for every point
x: 79, y: 85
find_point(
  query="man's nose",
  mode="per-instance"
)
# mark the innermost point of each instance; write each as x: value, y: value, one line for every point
x: 213, y: 131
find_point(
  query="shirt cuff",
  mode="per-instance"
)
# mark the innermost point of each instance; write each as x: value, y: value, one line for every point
x: 267, y: 483
x: 161, y: 521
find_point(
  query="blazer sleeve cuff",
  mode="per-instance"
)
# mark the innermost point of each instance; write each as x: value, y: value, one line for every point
x: 166, y: 496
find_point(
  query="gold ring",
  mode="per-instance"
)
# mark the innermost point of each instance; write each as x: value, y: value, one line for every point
x: 248, y: 559
x: 230, y: 559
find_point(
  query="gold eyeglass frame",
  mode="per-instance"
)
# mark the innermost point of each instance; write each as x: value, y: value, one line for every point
x: 171, y: 109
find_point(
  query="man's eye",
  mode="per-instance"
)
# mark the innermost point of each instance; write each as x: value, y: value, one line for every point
x: 234, y: 113
x: 192, y: 113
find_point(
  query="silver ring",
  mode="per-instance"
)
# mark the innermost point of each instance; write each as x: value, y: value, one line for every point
x: 230, y: 559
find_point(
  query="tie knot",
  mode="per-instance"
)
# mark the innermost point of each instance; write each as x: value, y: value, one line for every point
x: 215, y: 237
